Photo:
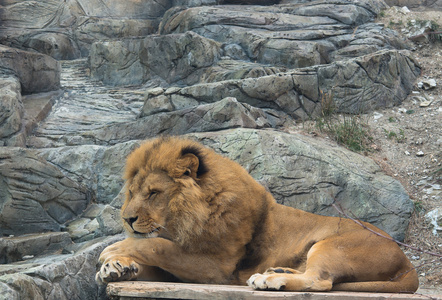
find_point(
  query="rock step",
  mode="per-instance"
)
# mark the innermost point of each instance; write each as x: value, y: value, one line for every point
x: 85, y: 106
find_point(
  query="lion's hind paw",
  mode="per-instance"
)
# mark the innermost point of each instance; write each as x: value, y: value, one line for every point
x: 117, y: 269
x: 281, y: 270
x: 267, y: 282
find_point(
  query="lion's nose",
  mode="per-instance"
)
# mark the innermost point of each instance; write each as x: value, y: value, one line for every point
x: 130, y: 221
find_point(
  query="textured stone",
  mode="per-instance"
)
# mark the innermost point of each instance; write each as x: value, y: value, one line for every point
x: 58, y: 276
x: 11, y: 106
x: 309, y: 174
x: 18, y: 248
x: 359, y: 85
x: 36, y: 72
x: 35, y: 196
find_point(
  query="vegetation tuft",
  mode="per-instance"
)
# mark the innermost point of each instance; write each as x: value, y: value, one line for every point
x: 348, y: 131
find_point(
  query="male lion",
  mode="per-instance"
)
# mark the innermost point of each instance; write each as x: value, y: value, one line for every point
x: 195, y: 216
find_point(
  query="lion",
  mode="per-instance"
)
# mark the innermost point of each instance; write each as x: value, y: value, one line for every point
x: 196, y: 216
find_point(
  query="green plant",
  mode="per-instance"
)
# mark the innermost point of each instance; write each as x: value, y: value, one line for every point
x: 348, y: 131
x: 391, y: 119
x: 418, y: 206
x: 327, y: 105
x: 399, y: 137
x: 410, y: 112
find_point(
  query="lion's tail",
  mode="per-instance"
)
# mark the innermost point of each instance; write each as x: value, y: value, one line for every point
x: 408, y: 283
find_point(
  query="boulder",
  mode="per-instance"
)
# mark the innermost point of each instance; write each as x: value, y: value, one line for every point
x: 175, y: 58
x: 11, y: 107
x: 35, y: 196
x: 359, y: 85
x: 20, y: 248
x: 313, y: 175
x: 226, y: 113
x: 69, y: 275
x: 292, y: 35
x: 302, y: 172
x: 66, y: 29
x: 98, y: 168
x: 36, y: 72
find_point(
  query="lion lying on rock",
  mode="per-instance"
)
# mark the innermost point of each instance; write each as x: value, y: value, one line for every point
x: 195, y: 216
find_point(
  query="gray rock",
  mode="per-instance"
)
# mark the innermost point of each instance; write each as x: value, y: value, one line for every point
x: 175, y: 58
x: 98, y: 168
x: 224, y: 114
x: 36, y: 72
x: 11, y: 106
x: 292, y: 35
x: 35, y: 196
x: 58, y: 276
x: 358, y: 85
x: 14, y: 249
x: 434, y: 217
x: 309, y: 174
x: 66, y: 29
x: 110, y: 221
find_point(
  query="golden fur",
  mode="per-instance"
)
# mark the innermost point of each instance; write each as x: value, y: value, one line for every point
x: 195, y: 216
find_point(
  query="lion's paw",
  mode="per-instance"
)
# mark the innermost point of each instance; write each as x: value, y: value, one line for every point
x: 117, y: 269
x: 267, y: 282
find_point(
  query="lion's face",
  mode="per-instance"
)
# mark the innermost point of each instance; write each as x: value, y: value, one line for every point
x: 163, y: 196
x: 145, y: 210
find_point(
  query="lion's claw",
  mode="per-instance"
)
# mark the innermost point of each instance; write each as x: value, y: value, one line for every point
x: 118, y: 269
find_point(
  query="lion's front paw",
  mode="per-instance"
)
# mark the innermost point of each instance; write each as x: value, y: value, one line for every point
x: 117, y: 269
x: 267, y: 282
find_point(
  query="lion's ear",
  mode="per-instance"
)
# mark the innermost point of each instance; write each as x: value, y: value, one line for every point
x: 190, y: 163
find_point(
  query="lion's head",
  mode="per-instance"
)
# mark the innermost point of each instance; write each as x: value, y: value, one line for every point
x: 165, y: 193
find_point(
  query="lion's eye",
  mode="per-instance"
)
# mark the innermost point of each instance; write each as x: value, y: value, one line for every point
x: 152, y: 194
x: 187, y: 173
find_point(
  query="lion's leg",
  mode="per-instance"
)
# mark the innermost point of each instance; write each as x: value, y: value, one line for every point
x: 292, y: 282
x: 282, y: 270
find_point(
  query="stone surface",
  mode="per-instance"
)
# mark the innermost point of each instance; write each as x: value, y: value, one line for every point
x: 234, y: 77
x: 36, y: 72
x: 11, y: 107
x: 66, y: 29
x: 14, y: 249
x: 175, y: 58
x: 56, y: 277
x: 226, y: 113
x: 310, y: 174
x: 35, y: 196
x: 355, y: 86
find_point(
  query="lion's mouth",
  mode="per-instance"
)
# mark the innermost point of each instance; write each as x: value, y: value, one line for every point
x: 152, y: 233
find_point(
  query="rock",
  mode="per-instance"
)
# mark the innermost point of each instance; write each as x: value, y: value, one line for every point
x: 173, y: 57
x: 98, y: 168
x: 36, y: 196
x: 309, y: 174
x: 302, y: 34
x: 66, y: 30
x: 427, y: 84
x: 14, y: 249
x: 297, y: 92
x: 109, y: 221
x: 434, y: 217
x: 54, y: 44
x: 36, y: 72
x: 11, y: 107
x: 227, y: 113
x: 420, y: 153
x: 419, y: 31
x: 57, y: 276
